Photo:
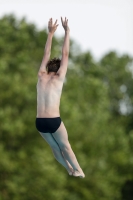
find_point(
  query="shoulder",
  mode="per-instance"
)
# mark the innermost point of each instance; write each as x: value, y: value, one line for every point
x: 42, y: 73
x: 59, y: 77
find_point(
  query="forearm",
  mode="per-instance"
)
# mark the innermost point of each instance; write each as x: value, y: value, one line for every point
x: 47, y: 52
x: 65, y: 48
x: 47, y: 49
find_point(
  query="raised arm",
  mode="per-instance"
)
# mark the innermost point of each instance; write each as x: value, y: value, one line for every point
x: 65, y: 50
x: 47, y: 51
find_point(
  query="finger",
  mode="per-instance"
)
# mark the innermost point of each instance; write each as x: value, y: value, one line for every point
x: 50, y: 20
x: 65, y: 21
x: 62, y: 21
x: 55, y: 22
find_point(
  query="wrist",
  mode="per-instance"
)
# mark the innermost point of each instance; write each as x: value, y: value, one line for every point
x: 50, y: 34
x: 67, y: 31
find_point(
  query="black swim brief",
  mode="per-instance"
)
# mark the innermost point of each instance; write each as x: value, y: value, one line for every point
x: 48, y: 125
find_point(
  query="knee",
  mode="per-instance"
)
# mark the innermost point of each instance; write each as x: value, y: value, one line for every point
x: 65, y: 146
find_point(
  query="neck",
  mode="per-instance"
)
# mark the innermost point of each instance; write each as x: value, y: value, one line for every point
x: 52, y: 73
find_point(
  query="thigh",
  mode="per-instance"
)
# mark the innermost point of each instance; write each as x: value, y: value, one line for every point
x: 50, y: 140
x: 61, y: 135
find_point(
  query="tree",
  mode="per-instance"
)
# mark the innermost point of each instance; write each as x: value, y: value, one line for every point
x: 90, y: 109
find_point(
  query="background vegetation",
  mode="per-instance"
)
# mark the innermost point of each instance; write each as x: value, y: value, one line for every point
x: 97, y: 110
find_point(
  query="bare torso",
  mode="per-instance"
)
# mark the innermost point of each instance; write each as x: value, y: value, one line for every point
x: 49, y: 89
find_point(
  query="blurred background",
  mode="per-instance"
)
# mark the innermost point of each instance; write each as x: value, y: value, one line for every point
x: 96, y: 103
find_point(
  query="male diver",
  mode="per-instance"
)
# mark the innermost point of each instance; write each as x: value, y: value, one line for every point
x: 51, y: 77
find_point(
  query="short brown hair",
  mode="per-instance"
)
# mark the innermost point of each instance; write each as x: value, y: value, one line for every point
x: 53, y: 65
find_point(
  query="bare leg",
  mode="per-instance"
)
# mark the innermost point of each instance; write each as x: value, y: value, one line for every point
x: 68, y: 164
x: 57, y: 152
x: 61, y: 137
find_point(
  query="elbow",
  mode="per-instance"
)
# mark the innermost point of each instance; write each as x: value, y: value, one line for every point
x: 47, y: 54
x: 65, y: 53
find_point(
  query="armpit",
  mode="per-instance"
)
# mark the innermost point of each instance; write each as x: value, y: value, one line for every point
x: 41, y: 73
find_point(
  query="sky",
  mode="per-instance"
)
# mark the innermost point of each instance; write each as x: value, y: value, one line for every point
x: 98, y: 26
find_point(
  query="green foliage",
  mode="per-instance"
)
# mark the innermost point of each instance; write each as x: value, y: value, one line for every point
x: 101, y: 135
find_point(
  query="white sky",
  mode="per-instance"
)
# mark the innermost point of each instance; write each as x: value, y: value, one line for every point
x: 96, y: 25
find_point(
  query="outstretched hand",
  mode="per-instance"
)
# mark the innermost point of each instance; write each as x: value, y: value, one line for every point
x: 65, y: 24
x: 52, y: 27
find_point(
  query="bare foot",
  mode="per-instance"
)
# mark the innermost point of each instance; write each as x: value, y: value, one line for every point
x: 70, y: 171
x: 77, y: 173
